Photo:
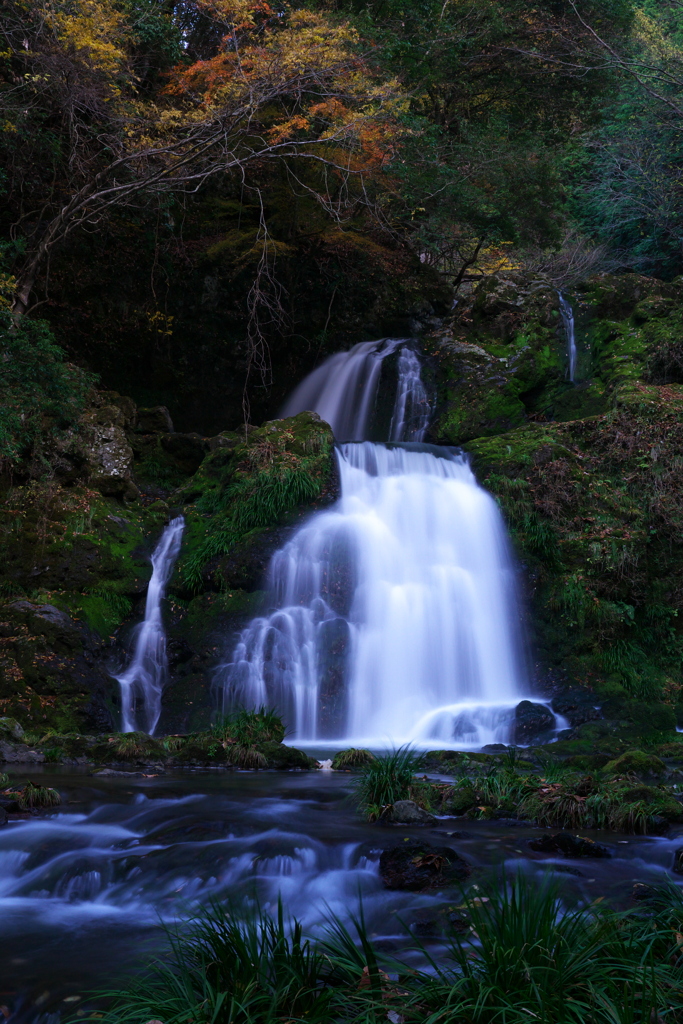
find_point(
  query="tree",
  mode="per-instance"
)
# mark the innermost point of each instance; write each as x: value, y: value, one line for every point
x: 268, y: 85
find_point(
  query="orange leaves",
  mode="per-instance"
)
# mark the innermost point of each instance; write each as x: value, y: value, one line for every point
x: 286, y: 130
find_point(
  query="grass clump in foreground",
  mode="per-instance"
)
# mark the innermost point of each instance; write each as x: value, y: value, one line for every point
x: 386, y: 779
x: 31, y: 797
x: 525, y: 956
x: 555, y: 796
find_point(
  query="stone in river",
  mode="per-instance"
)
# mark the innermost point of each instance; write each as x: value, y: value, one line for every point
x: 407, y: 812
x: 532, y: 722
x: 415, y: 865
x: 569, y: 845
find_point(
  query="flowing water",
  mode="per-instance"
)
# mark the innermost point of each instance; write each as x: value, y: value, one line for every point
x: 567, y: 314
x: 143, y: 681
x: 343, y: 391
x: 394, y: 616
x: 85, y: 890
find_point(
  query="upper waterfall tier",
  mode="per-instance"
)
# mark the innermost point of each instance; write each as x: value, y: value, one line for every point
x: 394, y: 615
x: 343, y: 391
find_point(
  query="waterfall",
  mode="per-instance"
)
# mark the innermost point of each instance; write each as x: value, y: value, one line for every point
x: 410, y: 418
x: 567, y: 314
x: 343, y: 390
x: 143, y: 681
x: 394, y: 613
x: 393, y: 616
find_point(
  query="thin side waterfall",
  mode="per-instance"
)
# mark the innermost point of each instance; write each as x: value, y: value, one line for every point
x: 411, y: 409
x: 567, y: 314
x: 143, y: 681
x: 395, y: 615
x: 343, y: 390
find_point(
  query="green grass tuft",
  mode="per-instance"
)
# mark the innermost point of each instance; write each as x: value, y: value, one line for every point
x: 354, y: 757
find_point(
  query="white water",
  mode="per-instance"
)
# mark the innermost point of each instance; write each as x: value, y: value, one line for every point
x: 344, y: 388
x: 567, y: 314
x: 395, y: 613
x: 143, y: 681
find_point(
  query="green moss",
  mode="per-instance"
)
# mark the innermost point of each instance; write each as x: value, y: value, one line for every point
x: 284, y: 464
x: 635, y: 761
x: 351, y: 758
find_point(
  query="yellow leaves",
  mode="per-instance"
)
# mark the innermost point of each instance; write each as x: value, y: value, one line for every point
x: 238, y: 13
x: 8, y: 285
x: 652, y: 36
x: 94, y: 26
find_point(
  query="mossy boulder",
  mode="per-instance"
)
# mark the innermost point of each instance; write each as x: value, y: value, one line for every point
x: 635, y: 761
x: 284, y: 758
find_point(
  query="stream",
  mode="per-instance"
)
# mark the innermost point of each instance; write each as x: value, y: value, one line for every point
x: 86, y: 890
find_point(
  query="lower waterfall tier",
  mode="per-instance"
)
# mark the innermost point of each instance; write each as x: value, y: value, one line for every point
x: 394, y: 615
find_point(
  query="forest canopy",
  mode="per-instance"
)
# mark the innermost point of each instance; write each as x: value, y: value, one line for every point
x: 326, y: 144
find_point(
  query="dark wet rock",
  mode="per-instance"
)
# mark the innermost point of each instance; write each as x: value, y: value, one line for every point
x: 565, y: 869
x: 3, y: 816
x: 532, y: 722
x: 19, y: 753
x: 494, y: 748
x: 512, y: 822
x: 678, y: 861
x: 186, y: 450
x: 10, y: 729
x: 156, y: 420
x: 415, y: 865
x: 48, y: 621
x: 284, y: 758
x: 577, y: 706
x: 107, y: 454
x: 569, y: 845
x: 458, y: 922
x: 407, y: 812
x: 643, y: 893
x: 113, y: 773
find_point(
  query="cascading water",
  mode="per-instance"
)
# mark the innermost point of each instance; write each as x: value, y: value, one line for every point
x: 343, y: 389
x: 394, y: 616
x: 143, y: 681
x: 395, y: 612
x: 567, y: 314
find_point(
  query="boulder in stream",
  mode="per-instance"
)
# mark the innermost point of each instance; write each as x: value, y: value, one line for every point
x: 569, y: 845
x: 407, y: 812
x: 415, y: 865
x: 532, y: 721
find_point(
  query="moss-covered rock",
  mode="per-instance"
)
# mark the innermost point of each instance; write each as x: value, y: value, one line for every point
x: 284, y: 758
x: 636, y: 761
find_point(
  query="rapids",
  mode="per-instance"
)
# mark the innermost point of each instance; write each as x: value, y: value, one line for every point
x: 86, y: 890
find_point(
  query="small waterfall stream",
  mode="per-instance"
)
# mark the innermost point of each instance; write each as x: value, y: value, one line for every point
x: 567, y: 314
x: 393, y: 616
x: 143, y: 681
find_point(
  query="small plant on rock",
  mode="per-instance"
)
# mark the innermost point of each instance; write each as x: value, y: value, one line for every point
x: 244, y: 727
x: 386, y: 779
x: 32, y: 796
x: 246, y: 757
x: 354, y: 757
x: 131, y: 745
